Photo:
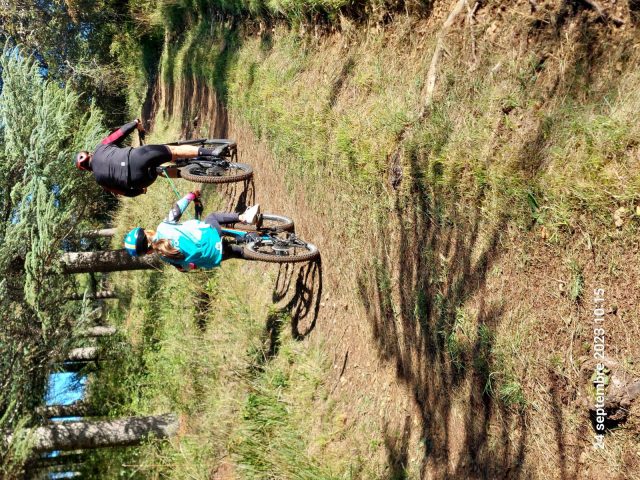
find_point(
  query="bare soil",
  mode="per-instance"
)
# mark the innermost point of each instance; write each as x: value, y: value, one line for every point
x: 376, y: 308
x: 389, y: 367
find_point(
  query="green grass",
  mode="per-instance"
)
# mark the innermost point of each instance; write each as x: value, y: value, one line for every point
x: 576, y: 284
x: 238, y: 403
x: 458, y: 341
x: 268, y: 442
x: 496, y: 154
x: 202, y: 344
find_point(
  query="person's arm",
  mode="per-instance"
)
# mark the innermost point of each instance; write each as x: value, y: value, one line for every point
x: 180, y: 206
x: 120, y: 134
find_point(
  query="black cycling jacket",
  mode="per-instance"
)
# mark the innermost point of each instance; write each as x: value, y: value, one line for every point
x: 110, y: 162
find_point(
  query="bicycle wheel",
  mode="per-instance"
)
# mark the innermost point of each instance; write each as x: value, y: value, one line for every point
x: 208, y: 172
x: 270, y: 221
x: 278, y: 250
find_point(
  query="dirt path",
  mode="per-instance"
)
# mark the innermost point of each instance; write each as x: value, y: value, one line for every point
x: 455, y: 351
x: 342, y: 317
x: 392, y: 372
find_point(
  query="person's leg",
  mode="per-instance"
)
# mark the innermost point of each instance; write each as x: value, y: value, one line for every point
x: 248, y: 217
x: 224, y: 218
x: 143, y: 162
x: 232, y: 251
x: 212, y: 220
x: 216, y: 219
x: 190, y: 151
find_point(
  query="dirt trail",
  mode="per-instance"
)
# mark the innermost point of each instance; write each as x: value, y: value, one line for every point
x: 360, y: 381
x: 394, y: 374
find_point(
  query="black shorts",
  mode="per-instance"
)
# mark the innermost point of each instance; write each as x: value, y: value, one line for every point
x: 143, y: 162
x: 217, y: 218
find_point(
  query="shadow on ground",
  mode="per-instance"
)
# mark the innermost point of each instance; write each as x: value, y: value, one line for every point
x: 302, y: 285
x: 304, y: 303
x: 427, y: 269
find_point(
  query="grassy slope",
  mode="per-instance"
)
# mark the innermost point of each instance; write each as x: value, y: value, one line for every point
x: 506, y: 205
x: 214, y: 348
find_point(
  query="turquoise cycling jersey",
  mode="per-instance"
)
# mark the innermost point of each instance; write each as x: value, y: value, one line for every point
x: 200, y: 244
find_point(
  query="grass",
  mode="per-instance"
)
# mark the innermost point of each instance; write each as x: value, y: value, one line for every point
x: 519, y: 152
x: 237, y: 403
x: 457, y: 339
x: 269, y: 443
x: 213, y: 348
x: 576, y: 285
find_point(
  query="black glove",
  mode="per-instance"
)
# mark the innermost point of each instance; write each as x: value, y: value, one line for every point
x: 197, y: 204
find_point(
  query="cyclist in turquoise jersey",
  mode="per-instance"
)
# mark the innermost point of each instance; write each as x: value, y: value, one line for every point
x: 191, y: 244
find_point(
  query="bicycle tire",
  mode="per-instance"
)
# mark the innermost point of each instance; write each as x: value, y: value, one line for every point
x: 270, y: 221
x: 311, y: 252
x: 190, y: 172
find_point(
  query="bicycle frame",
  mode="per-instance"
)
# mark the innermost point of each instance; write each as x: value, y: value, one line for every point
x: 268, y: 243
x: 239, y: 236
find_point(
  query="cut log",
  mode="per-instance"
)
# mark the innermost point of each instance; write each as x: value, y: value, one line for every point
x: 101, y: 233
x: 84, y: 354
x: 103, y: 295
x: 99, y: 434
x: 99, y: 332
x: 107, y: 261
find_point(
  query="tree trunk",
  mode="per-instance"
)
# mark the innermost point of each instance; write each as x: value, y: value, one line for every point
x: 77, y: 409
x: 111, y: 433
x: 107, y: 261
x: 105, y: 294
x: 99, y: 332
x: 101, y: 233
x: 84, y: 354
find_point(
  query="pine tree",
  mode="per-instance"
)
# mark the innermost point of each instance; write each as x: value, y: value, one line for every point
x: 73, y: 41
x: 42, y: 199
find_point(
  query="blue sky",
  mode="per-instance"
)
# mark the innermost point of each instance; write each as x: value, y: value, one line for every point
x: 65, y: 388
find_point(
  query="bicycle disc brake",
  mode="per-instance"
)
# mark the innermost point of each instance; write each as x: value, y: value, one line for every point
x: 213, y: 168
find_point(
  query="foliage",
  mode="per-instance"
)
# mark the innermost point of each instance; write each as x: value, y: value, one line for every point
x: 72, y: 41
x: 43, y: 199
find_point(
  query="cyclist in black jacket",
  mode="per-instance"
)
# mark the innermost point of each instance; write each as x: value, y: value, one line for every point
x: 129, y: 171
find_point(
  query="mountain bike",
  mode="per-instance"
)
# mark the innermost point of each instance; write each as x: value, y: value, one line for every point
x: 222, y: 167
x: 273, y: 240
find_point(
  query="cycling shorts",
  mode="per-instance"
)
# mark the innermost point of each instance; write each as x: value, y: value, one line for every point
x: 143, y: 162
